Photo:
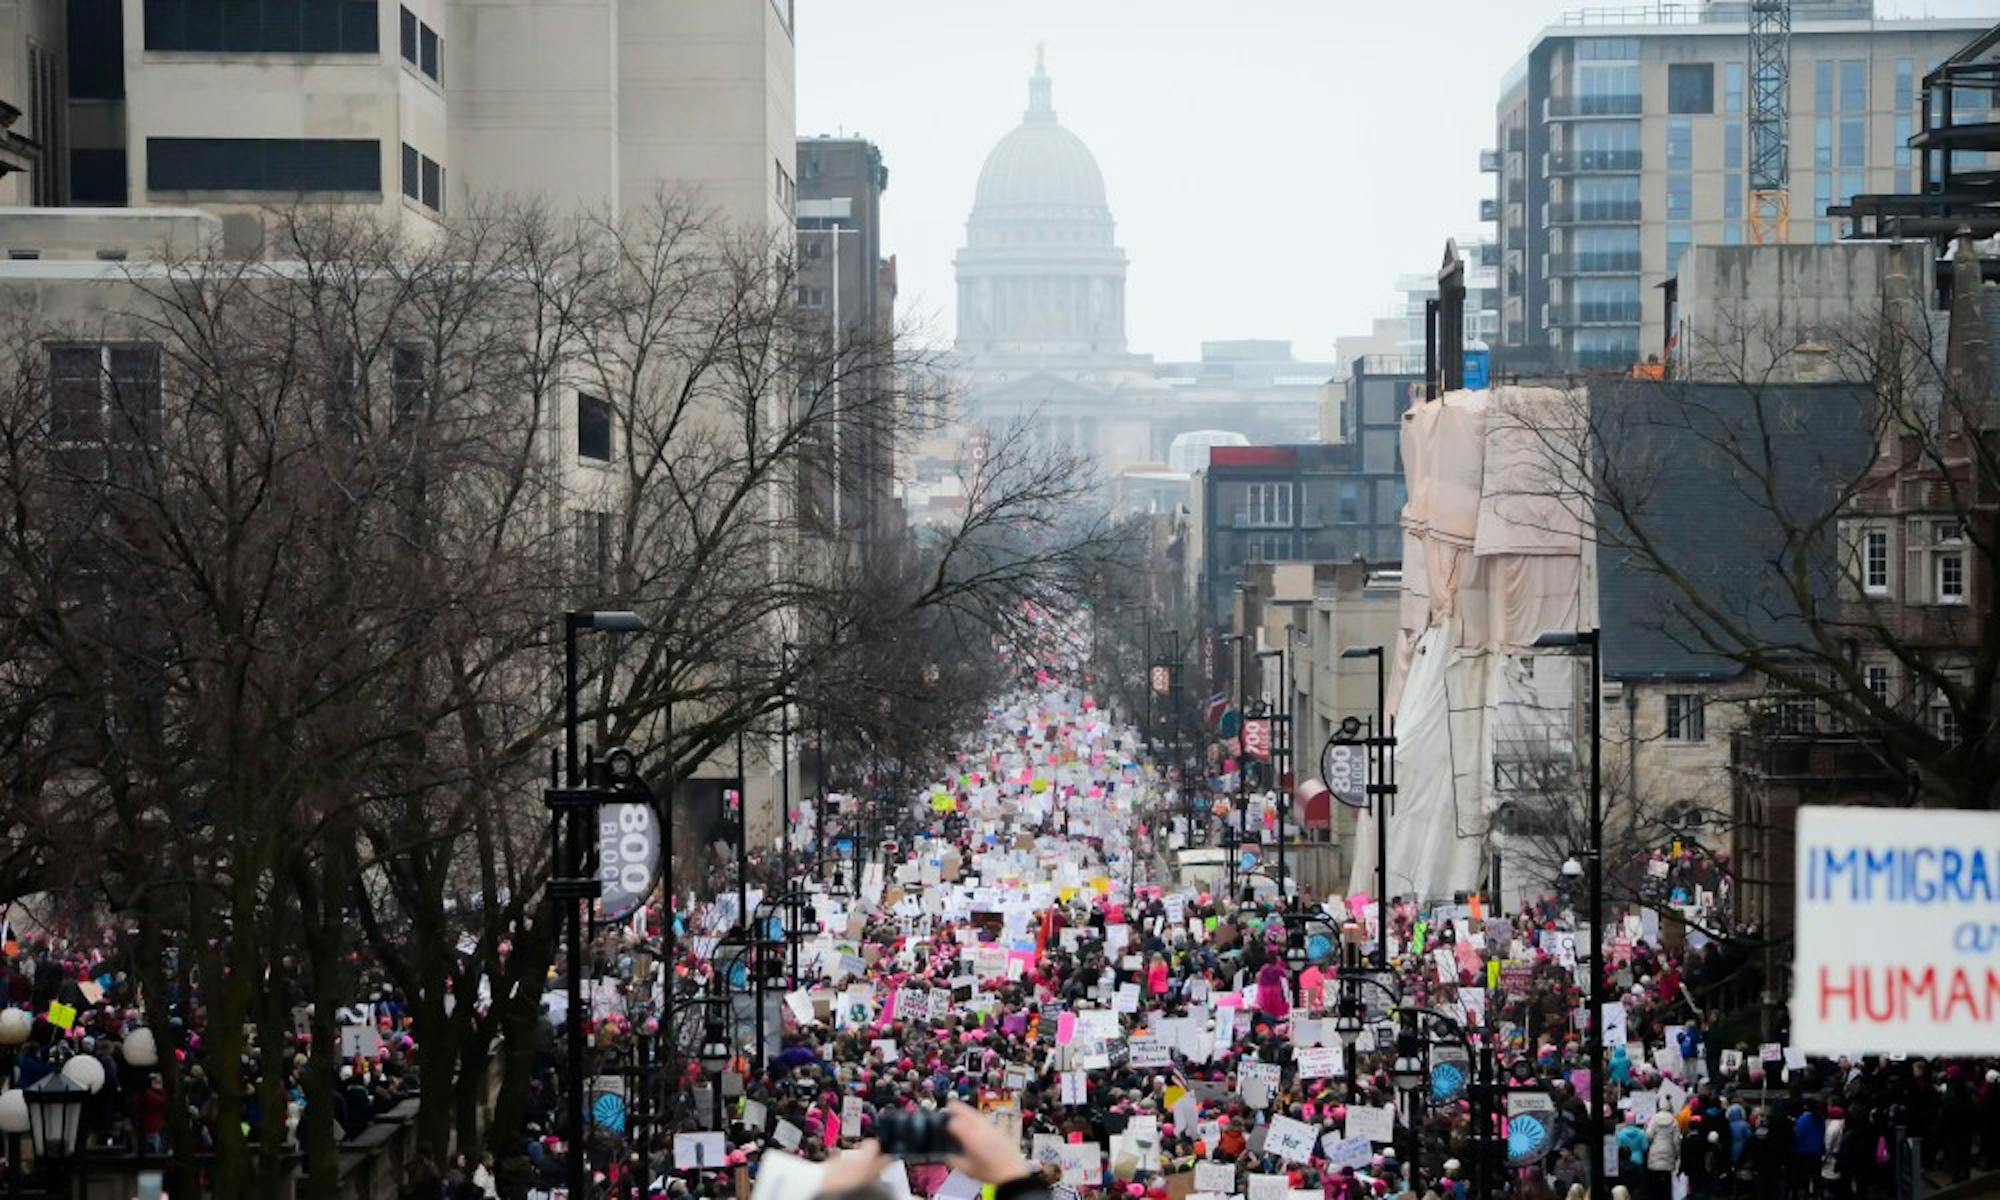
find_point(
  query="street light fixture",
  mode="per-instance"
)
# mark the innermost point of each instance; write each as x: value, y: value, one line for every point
x: 1591, y: 639
x: 576, y: 832
x: 1380, y: 788
x: 55, y: 1117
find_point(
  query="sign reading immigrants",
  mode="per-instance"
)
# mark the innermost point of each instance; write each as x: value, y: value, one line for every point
x: 1898, y: 932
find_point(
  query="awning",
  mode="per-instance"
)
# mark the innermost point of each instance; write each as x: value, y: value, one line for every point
x: 1314, y: 803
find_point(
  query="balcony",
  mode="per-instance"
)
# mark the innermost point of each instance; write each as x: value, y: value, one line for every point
x: 1565, y: 108
x: 1517, y: 190
x: 1516, y: 139
x: 1489, y: 210
x: 1568, y: 316
x: 1489, y: 161
x: 1593, y: 212
x: 1619, y: 262
x: 1487, y: 254
x: 1593, y: 162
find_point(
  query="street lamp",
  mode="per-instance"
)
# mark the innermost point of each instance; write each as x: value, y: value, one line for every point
x: 715, y: 1057
x: 1382, y: 786
x: 574, y: 839
x: 1590, y: 639
x: 55, y: 1117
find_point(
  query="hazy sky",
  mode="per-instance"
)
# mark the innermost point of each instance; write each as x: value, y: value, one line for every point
x: 1273, y: 165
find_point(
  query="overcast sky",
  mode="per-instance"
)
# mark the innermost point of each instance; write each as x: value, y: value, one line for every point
x: 1273, y: 165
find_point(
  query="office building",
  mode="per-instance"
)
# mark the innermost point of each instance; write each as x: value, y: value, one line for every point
x: 407, y: 107
x: 844, y: 279
x: 1624, y: 139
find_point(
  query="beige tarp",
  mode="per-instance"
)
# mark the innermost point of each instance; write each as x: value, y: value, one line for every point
x: 1493, y: 555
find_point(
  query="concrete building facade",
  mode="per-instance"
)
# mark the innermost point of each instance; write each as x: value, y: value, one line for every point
x: 1622, y: 144
x: 408, y: 107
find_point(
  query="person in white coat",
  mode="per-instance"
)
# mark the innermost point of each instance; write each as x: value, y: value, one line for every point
x: 1663, y: 1155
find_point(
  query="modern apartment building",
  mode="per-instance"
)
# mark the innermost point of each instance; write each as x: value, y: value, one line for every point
x: 1623, y: 140
x: 406, y: 106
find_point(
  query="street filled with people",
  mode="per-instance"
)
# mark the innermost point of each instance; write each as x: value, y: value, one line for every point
x: 1014, y: 953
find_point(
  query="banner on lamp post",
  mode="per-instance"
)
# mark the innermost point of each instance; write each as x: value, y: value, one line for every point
x: 1257, y: 739
x: 1162, y: 680
x: 628, y: 858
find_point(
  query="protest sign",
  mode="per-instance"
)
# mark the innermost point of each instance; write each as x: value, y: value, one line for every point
x: 1318, y: 1062
x: 1291, y: 1139
x: 1377, y: 1123
x: 1347, y: 1152
x: 1214, y: 1177
x: 1895, y: 931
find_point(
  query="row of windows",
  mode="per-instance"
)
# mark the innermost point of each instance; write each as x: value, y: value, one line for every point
x: 421, y: 47
x: 1941, y: 563
x: 263, y: 165
x: 264, y: 26
x: 423, y: 180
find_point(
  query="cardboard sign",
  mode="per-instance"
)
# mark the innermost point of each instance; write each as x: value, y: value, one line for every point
x: 850, y: 1117
x: 1353, y: 1152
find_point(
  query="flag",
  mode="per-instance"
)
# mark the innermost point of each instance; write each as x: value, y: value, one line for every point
x: 1214, y: 708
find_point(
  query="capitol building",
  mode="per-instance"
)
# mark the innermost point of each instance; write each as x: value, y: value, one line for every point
x: 1041, y: 320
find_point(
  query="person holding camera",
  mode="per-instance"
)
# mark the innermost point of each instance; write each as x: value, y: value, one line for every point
x: 972, y: 1145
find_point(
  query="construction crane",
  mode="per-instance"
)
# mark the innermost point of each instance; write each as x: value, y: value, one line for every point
x: 1770, y: 121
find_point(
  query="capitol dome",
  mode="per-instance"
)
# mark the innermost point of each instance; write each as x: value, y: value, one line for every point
x: 1040, y: 164
x: 1041, y: 278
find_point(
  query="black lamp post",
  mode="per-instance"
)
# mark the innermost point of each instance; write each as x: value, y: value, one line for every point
x: 1381, y: 789
x: 575, y: 829
x: 1594, y: 868
x: 715, y: 1056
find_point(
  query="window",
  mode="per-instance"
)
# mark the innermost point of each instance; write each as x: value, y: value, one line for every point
x: 1906, y: 75
x: 1350, y: 502
x: 1680, y: 235
x: 421, y: 47
x: 1851, y: 184
x: 1680, y: 144
x: 785, y: 192
x: 409, y: 382
x: 408, y: 39
x: 1732, y: 196
x: 102, y: 397
x: 1798, y: 716
x: 1823, y: 87
x: 1875, y: 562
x: 1691, y: 88
x: 263, y: 26
x: 1680, y: 197
x: 1877, y: 677
x: 1732, y: 233
x: 263, y: 165
x: 593, y: 548
x: 1269, y: 504
x: 433, y: 197
x: 1853, y: 142
x: 812, y: 297
x: 1946, y: 718
x: 593, y: 428
x: 1687, y: 717
x: 423, y: 179
x: 412, y: 173
x: 1853, y: 86
x: 427, y: 54
x: 1271, y: 547
x: 1732, y: 146
x: 1951, y: 577
x: 1823, y: 142
x: 1732, y: 88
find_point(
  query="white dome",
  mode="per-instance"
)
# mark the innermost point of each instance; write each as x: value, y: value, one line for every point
x: 1188, y: 452
x: 1041, y: 165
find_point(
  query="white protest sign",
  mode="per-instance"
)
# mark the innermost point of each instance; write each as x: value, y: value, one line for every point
x: 1075, y: 1087
x: 1291, y: 1139
x: 1149, y: 1052
x: 1318, y: 1062
x: 1895, y: 931
x: 1256, y: 1082
x: 699, y: 1151
x: 850, y: 1117
x: 1214, y: 1177
x: 786, y: 1135
x: 1353, y: 1152
x: 1268, y: 1187
x: 1082, y: 1164
x: 1614, y: 1023
x: 1377, y: 1123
